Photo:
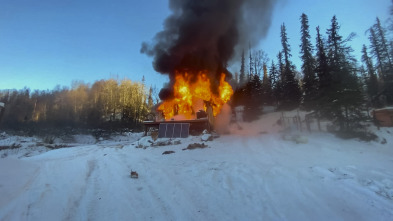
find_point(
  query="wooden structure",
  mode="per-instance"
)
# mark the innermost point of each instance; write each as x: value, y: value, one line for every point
x: 293, y: 122
x: 197, y: 124
x: 383, y: 117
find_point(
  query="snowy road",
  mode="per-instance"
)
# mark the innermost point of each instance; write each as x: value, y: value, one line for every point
x: 237, y: 178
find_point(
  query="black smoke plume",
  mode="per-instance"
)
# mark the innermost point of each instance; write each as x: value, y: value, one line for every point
x: 204, y: 35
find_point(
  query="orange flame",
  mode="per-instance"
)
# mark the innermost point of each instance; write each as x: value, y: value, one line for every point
x: 187, y: 92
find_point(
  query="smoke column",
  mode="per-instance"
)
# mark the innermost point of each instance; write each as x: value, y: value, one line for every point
x: 206, y: 35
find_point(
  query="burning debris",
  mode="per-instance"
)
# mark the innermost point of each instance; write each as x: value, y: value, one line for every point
x: 198, y: 41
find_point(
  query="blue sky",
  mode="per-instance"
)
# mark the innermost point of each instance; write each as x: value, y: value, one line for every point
x: 51, y: 42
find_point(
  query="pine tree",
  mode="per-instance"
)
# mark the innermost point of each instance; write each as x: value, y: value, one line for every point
x: 242, y: 76
x: 377, y: 52
x: 266, y: 87
x: 382, y: 51
x: 371, y: 77
x: 308, y: 66
x: 380, y: 31
x: 274, y: 79
x: 280, y: 83
x: 291, y: 90
x: 322, y: 69
x: 280, y: 66
x: 251, y: 65
x: 252, y: 99
x: 345, y: 91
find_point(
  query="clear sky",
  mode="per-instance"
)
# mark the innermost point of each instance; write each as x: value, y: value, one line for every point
x: 53, y: 42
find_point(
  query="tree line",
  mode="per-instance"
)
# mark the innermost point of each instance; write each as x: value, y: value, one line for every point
x: 105, y: 103
x: 331, y: 82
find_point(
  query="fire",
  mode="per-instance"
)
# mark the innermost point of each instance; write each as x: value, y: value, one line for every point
x: 188, y: 94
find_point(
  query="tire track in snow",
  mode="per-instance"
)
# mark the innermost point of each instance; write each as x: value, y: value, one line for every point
x: 74, y: 203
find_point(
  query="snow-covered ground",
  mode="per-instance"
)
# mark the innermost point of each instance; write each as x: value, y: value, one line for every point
x: 250, y: 174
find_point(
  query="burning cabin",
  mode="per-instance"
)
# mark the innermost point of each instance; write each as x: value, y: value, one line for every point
x: 194, y: 99
x: 198, y: 41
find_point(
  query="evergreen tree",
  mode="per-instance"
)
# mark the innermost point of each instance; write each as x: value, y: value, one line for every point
x: 291, y: 90
x: 382, y: 51
x: 251, y: 65
x: 266, y: 87
x: 242, y: 76
x: 280, y: 66
x: 252, y: 99
x: 274, y: 79
x: 377, y: 52
x: 387, y: 56
x: 371, y: 80
x: 345, y: 91
x: 280, y: 83
x: 308, y: 66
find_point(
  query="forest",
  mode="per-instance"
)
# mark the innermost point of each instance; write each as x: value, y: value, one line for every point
x: 331, y: 83
x: 107, y: 104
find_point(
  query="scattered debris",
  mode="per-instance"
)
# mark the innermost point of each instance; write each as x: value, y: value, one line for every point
x: 146, y: 142
x: 207, y: 137
x: 134, y: 174
x: 162, y: 142
x: 195, y: 146
x: 168, y: 152
x: 383, y: 141
x: 13, y: 146
x: 57, y: 146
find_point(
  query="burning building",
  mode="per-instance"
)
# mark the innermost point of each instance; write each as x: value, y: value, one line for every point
x: 198, y: 42
x: 192, y: 93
